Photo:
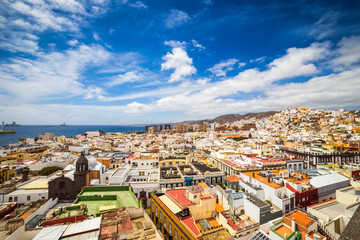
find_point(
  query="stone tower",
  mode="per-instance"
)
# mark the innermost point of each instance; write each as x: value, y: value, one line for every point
x: 81, y: 172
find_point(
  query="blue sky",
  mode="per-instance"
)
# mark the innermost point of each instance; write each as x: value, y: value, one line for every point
x: 133, y: 62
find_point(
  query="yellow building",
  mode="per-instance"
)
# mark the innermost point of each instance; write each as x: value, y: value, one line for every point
x: 7, y: 173
x: 152, y: 130
x: 187, y: 213
x: 172, y: 161
x: 3, y: 175
x: 10, y: 173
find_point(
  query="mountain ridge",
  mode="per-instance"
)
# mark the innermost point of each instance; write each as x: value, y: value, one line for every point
x: 234, y: 117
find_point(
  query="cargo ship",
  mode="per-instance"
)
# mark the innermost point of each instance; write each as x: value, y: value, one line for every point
x: 13, y: 124
x: 5, y: 132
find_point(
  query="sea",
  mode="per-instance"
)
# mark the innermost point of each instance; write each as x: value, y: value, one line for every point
x: 32, y: 131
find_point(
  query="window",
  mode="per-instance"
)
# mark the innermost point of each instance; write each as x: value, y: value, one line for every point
x: 10, y: 199
x: 61, y: 184
x: 164, y: 222
x: 175, y: 234
x: 160, y: 215
x: 15, y: 199
x: 182, y: 238
x: 156, y: 211
x: 28, y: 198
x: 170, y: 228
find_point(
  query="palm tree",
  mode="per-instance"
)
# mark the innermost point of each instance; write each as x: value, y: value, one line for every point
x: 25, y: 173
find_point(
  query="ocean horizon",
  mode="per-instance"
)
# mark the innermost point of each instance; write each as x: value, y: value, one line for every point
x: 32, y: 131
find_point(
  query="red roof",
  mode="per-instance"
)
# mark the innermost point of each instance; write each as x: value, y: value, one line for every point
x: 329, y: 200
x: 233, y: 178
x: 291, y: 188
x: 179, y: 196
x: 190, y: 223
x: 233, y: 225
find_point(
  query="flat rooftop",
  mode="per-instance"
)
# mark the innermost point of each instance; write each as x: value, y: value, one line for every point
x: 276, y: 173
x: 301, y: 218
x: 96, y: 206
x: 180, y: 197
x: 333, y: 208
x: 126, y: 198
x: 283, y: 231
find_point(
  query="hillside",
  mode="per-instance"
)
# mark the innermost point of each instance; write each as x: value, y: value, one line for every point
x: 235, y: 117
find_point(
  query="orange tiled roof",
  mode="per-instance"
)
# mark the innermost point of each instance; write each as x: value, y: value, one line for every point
x: 203, y: 185
x: 218, y: 208
x: 233, y: 178
x: 301, y: 218
x: 277, y: 173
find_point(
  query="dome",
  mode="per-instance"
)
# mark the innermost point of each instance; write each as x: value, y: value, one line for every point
x: 82, y: 159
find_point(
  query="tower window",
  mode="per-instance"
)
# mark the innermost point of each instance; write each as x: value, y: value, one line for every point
x: 62, y: 185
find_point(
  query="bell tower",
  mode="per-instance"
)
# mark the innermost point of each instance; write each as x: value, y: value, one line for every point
x: 81, y: 172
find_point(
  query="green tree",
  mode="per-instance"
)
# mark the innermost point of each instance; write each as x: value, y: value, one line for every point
x: 46, y: 171
x: 25, y: 173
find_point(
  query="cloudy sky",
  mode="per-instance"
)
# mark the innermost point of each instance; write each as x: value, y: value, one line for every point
x: 151, y: 61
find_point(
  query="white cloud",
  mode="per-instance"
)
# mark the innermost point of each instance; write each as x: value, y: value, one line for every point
x: 2, y: 22
x: 178, y: 60
x: 347, y: 54
x: 208, y: 2
x: 160, y: 92
x: 137, y: 4
x: 136, y: 107
x: 214, y: 97
x: 51, y: 75
x: 197, y: 45
x: 297, y: 61
x: 59, y: 75
x: 43, y: 16
x: 73, y: 42
x: 259, y: 60
x: 176, y: 18
x: 93, y: 92
x: 176, y: 44
x: 26, y: 18
x: 132, y: 76
x: 242, y: 64
x: 220, y: 69
x: 96, y: 37
x: 204, y: 94
x: 71, y: 114
x: 325, y: 26
x: 19, y: 42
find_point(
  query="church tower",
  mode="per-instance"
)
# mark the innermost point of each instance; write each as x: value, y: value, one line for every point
x: 81, y: 172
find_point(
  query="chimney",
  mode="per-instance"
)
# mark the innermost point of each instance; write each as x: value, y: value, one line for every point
x: 293, y: 225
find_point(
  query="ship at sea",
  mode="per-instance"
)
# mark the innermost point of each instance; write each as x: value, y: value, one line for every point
x: 13, y: 124
x: 5, y: 132
x: 63, y: 125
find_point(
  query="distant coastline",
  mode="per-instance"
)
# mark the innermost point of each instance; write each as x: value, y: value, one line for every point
x: 32, y: 131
